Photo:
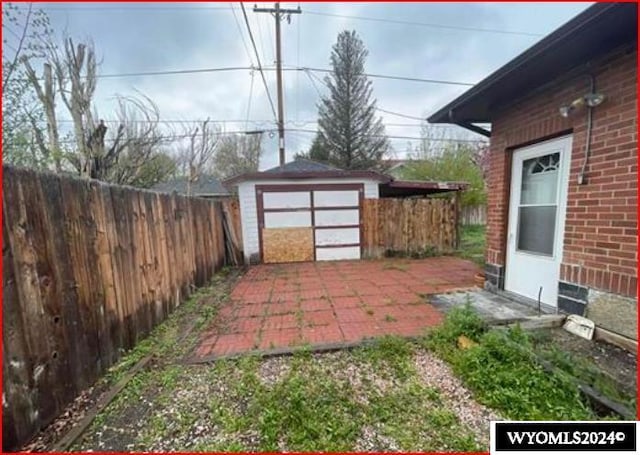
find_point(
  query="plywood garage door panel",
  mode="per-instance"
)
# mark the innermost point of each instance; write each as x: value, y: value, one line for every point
x: 287, y: 245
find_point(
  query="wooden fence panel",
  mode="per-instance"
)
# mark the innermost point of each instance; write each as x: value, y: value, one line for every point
x: 88, y: 270
x: 408, y: 226
x: 473, y: 215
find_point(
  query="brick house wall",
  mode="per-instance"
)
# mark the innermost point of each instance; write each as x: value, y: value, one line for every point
x: 600, y: 242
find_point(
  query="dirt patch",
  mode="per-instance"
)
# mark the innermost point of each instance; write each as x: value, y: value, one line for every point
x: 614, y: 362
x: 169, y: 341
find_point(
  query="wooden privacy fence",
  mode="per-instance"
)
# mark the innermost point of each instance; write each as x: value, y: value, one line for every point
x: 473, y: 215
x: 89, y: 269
x: 408, y: 226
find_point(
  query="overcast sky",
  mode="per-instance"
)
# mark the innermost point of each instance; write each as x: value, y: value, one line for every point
x: 136, y: 37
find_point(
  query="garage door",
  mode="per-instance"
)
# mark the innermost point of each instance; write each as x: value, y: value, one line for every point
x: 311, y: 222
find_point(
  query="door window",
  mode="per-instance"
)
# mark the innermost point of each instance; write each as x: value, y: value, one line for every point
x: 538, y: 204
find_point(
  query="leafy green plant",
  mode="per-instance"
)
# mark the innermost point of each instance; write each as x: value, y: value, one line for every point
x: 503, y: 371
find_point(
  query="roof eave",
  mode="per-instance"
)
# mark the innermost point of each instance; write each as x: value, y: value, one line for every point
x: 447, y: 114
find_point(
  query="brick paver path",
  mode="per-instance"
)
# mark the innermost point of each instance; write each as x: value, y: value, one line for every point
x: 320, y: 303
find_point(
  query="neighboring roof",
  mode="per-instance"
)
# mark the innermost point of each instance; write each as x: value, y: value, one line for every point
x: 206, y: 185
x: 405, y: 188
x: 599, y: 29
x: 301, y: 168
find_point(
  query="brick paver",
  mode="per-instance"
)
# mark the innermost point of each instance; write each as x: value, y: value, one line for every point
x: 286, y: 305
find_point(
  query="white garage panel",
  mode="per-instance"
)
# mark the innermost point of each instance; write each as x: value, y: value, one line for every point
x: 287, y: 219
x: 336, y: 198
x: 337, y: 217
x: 282, y: 200
x: 337, y: 236
x: 332, y: 254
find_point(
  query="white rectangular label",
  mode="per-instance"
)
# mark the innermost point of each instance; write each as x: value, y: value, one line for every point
x: 337, y: 217
x: 287, y: 219
x: 332, y: 254
x: 336, y: 198
x: 286, y: 200
x: 337, y: 236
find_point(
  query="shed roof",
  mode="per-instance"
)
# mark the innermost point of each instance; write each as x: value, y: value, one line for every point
x: 302, y: 169
x: 303, y: 165
x: 597, y: 30
x: 205, y: 185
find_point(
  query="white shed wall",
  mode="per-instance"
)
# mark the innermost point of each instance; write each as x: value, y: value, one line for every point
x: 249, y: 208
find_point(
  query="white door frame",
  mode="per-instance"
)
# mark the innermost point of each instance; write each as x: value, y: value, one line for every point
x: 525, y: 272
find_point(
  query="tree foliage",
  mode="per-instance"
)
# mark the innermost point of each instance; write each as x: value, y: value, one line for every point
x: 349, y: 134
x: 456, y: 163
x: 131, y: 153
x: 28, y: 28
x: 319, y: 150
x: 236, y: 155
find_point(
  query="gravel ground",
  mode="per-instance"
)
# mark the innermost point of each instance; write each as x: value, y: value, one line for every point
x: 457, y: 397
x: 200, y: 407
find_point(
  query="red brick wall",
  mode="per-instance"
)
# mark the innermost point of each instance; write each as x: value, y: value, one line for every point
x: 600, y: 244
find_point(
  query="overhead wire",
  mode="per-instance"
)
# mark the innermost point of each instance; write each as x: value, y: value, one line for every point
x: 314, y: 13
x: 255, y: 49
x: 246, y: 124
x: 425, y: 24
x: 244, y: 42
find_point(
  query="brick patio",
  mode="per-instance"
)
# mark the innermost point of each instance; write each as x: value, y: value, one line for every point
x: 322, y: 303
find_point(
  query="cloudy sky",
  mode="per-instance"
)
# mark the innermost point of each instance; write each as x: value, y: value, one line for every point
x: 455, y: 42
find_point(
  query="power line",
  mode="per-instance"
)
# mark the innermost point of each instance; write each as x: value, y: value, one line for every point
x: 244, y: 43
x: 255, y: 50
x: 315, y: 13
x: 261, y: 69
x: 426, y: 138
x: 411, y: 117
x: 246, y: 124
x: 385, y: 76
x: 128, y: 8
x: 262, y: 40
x: 425, y: 24
x: 171, y: 72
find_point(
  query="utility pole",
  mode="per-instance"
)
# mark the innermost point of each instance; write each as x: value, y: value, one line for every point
x: 278, y: 13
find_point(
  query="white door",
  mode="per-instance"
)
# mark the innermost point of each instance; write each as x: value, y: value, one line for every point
x: 537, y: 210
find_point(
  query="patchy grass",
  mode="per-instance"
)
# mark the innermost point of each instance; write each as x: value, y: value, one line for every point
x: 472, y: 243
x: 503, y: 372
x: 370, y: 398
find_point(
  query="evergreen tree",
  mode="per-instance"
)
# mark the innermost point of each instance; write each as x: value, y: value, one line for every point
x: 318, y: 150
x: 350, y: 136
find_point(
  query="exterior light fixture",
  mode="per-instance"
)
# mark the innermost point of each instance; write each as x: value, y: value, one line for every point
x: 590, y: 100
x: 594, y: 99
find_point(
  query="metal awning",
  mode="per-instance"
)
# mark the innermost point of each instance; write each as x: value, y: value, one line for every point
x: 407, y: 188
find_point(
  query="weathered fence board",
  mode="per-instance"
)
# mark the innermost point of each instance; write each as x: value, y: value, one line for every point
x: 88, y: 270
x: 473, y: 215
x: 408, y: 226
